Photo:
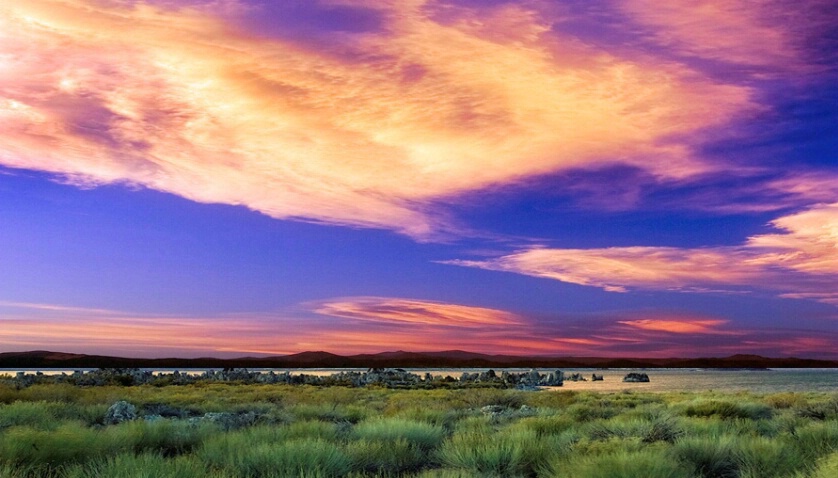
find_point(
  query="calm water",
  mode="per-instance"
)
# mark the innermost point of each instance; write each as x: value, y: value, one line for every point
x: 661, y: 380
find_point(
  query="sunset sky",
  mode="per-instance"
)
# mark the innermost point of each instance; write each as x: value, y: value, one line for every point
x: 187, y: 178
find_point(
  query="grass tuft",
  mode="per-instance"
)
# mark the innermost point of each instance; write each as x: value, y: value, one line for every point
x: 709, y: 457
x: 419, y: 434
x: 729, y: 410
x: 146, y: 465
x: 637, y: 464
x: 510, y: 452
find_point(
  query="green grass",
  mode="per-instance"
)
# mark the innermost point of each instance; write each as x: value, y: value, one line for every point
x: 147, y: 465
x: 422, y: 435
x: 58, y: 431
x: 391, y: 457
x: 280, y: 459
x: 827, y: 467
x: 728, y: 410
x: 512, y: 451
x: 631, y: 464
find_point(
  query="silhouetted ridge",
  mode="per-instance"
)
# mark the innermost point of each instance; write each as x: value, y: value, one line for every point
x: 445, y: 359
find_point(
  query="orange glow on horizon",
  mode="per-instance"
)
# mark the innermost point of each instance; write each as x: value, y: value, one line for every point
x: 74, y: 329
x: 684, y: 326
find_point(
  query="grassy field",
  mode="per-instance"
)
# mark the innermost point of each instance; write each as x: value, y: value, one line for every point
x: 227, y: 430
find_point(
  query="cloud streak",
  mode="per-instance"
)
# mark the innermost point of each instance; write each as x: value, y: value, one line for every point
x: 372, y: 133
x: 409, y: 311
x: 353, y: 325
x: 800, y: 261
x: 733, y: 31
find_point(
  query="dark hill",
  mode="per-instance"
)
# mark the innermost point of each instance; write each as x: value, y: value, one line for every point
x: 454, y: 358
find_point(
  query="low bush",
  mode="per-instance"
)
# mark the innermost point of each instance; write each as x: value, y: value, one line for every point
x: 331, y: 413
x: 422, y: 435
x: 766, y: 458
x: 827, y: 467
x: 392, y: 457
x: 815, y: 440
x: 67, y: 443
x: 290, y: 458
x: 728, y: 410
x: 146, y: 465
x: 586, y: 412
x: 163, y: 437
x: 38, y: 415
x: 709, y: 457
x: 509, y: 453
x: 637, y: 464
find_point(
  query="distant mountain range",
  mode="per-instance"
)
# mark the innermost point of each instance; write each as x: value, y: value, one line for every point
x: 450, y: 358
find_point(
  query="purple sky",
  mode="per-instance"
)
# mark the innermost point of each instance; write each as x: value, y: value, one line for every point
x: 607, y: 178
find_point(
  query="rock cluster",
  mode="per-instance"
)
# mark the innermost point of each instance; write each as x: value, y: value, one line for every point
x: 504, y: 411
x: 123, y: 411
x: 382, y: 377
x: 119, y: 412
x: 636, y: 377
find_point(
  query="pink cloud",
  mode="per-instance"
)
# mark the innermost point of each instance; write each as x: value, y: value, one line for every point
x: 734, y: 31
x: 676, y: 326
x: 801, y: 261
x: 184, y: 101
x: 369, y: 325
x: 410, y: 311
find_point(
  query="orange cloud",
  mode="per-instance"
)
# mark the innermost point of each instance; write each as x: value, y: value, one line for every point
x: 185, y: 101
x: 801, y: 261
x: 681, y: 326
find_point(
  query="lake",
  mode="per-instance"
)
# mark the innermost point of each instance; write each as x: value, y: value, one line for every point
x: 661, y: 380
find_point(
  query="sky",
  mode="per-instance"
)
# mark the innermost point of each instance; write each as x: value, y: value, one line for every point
x: 227, y: 178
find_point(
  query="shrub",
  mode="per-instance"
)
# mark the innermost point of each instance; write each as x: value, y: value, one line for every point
x: 29, y: 471
x: 649, y: 431
x: 710, y: 457
x: 827, y: 467
x: 291, y: 458
x: 68, y: 443
x: 785, y: 400
x: 501, y: 454
x: 766, y: 458
x: 728, y: 410
x: 815, y: 440
x: 386, y: 457
x: 419, y: 434
x: 586, y: 412
x: 164, y: 437
x: 547, y: 425
x: 637, y: 464
x: 827, y: 410
x: 147, y: 465
x: 446, y: 473
x: 39, y: 415
x: 330, y: 413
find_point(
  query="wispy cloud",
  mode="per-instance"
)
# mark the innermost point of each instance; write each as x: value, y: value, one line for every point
x: 53, y: 308
x: 371, y: 133
x: 398, y: 311
x: 799, y: 261
x: 684, y: 326
x: 352, y: 325
x: 739, y: 32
